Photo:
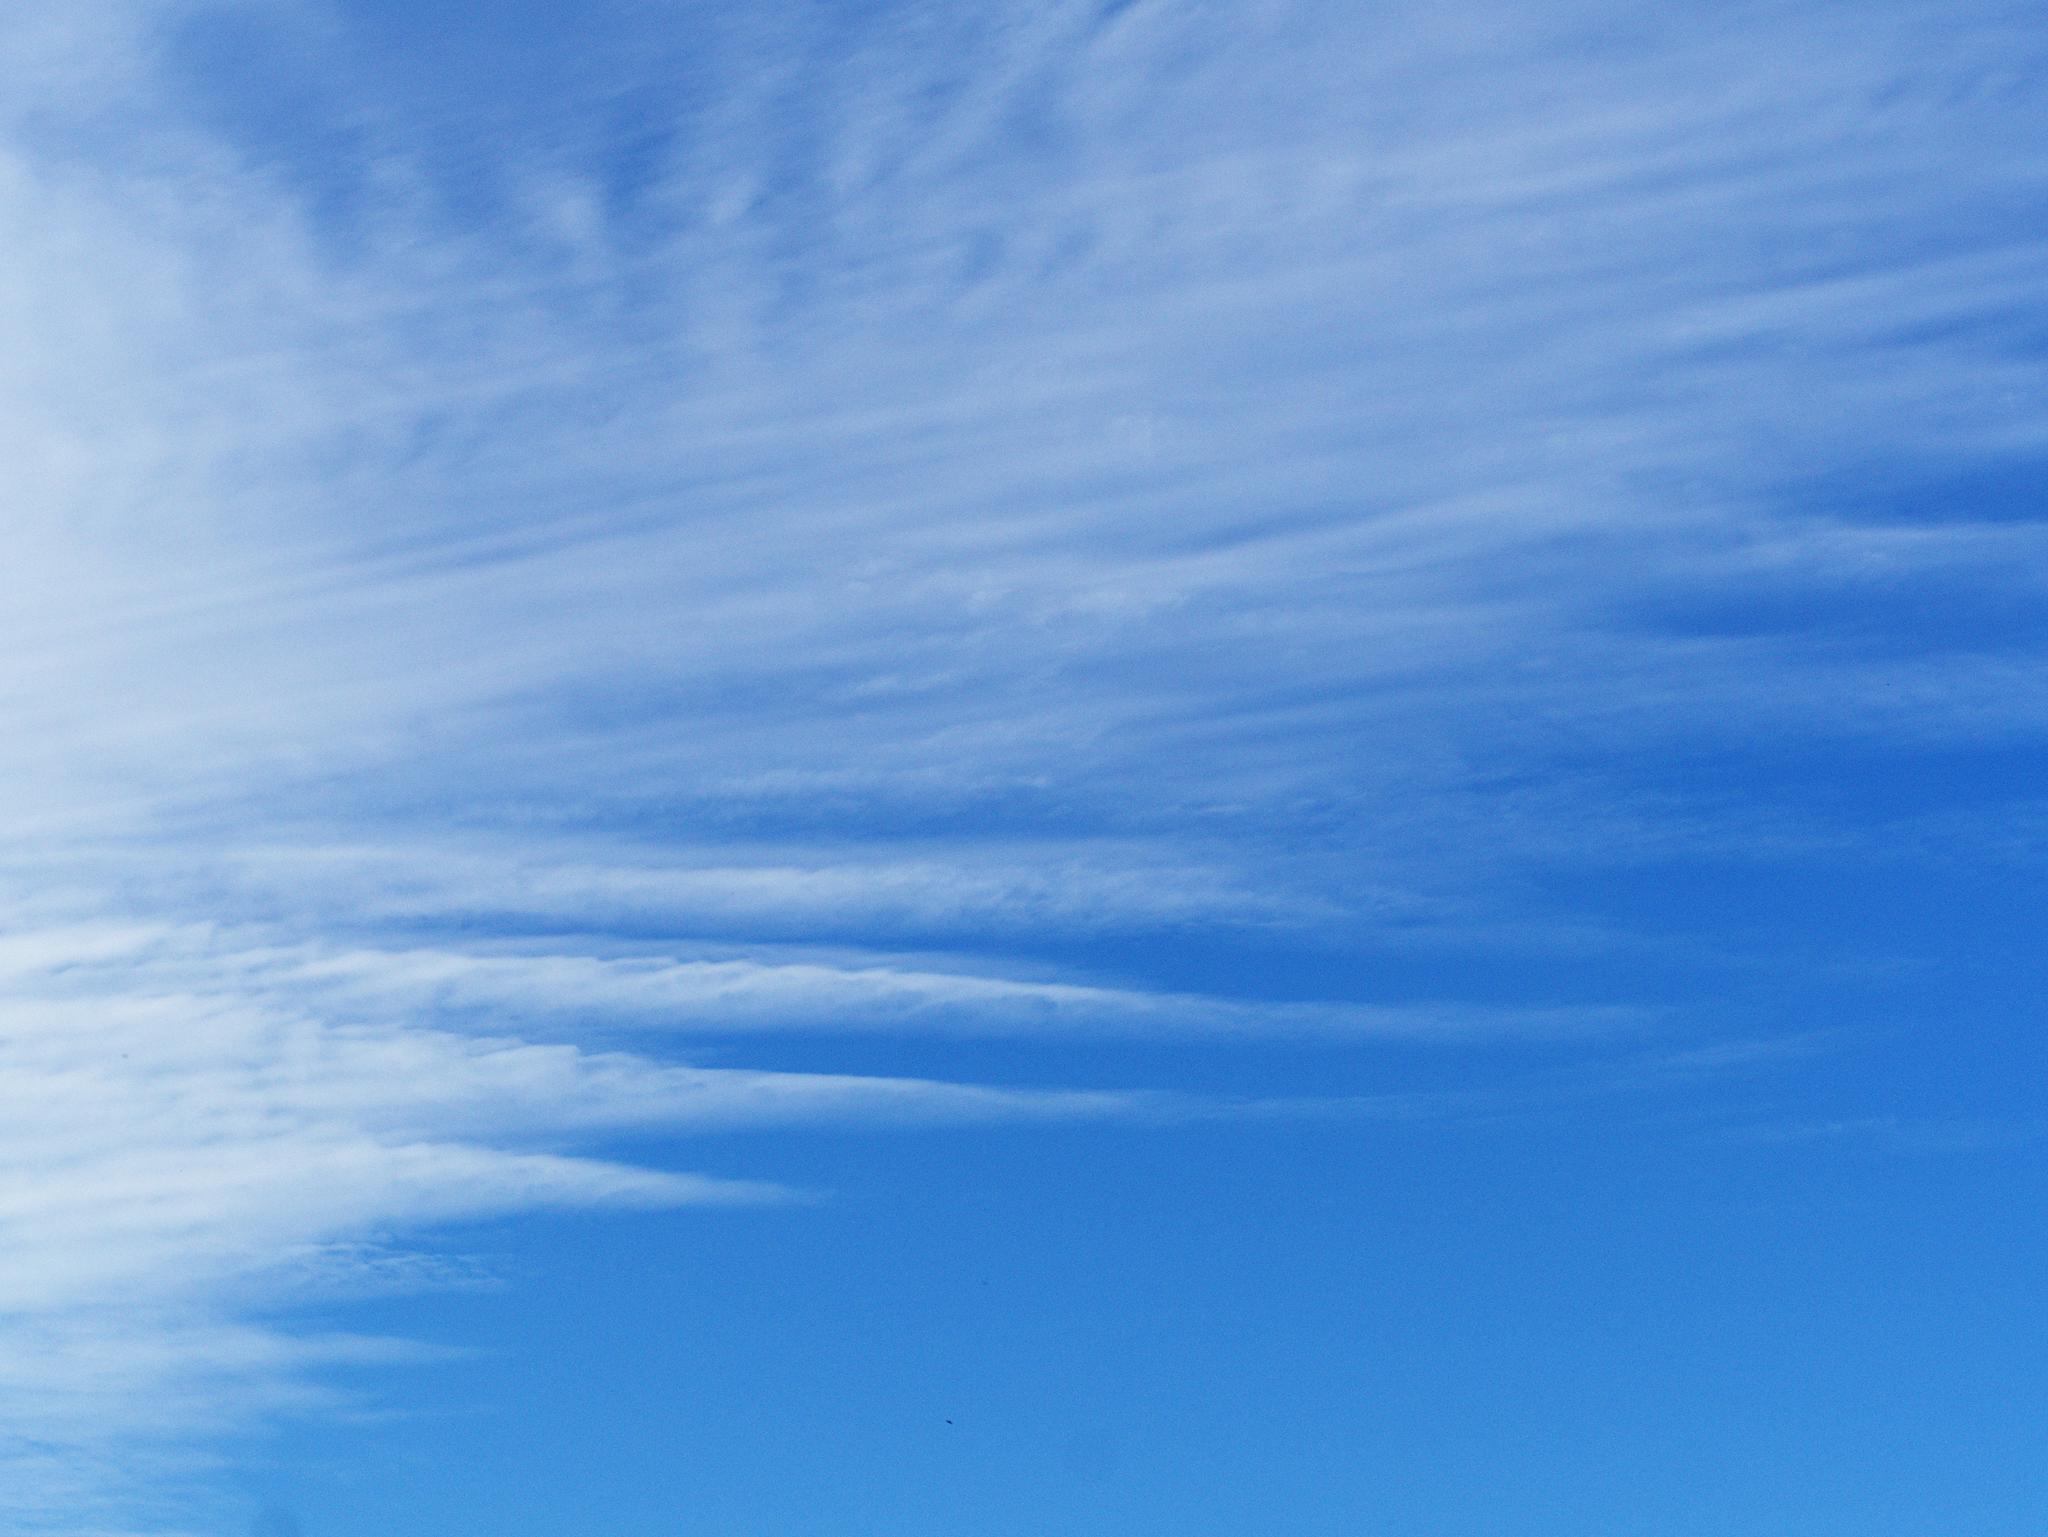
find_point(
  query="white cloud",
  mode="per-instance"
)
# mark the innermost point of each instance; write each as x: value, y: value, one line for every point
x: 180, y: 1143
x: 1022, y: 474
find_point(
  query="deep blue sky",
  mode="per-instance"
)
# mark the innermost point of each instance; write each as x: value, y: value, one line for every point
x: 1134, y: 768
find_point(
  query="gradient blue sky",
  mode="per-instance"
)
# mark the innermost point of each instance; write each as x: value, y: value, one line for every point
x: 1242, y: 767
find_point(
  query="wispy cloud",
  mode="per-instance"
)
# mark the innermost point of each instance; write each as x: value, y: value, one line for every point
x: 500, y: 581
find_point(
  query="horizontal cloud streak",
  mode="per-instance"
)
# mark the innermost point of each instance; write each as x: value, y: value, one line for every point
x: 198, y: 969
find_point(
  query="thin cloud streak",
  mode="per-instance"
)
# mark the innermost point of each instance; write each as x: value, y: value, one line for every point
x: 202, y: 968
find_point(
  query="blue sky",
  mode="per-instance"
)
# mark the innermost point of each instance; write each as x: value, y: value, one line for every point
x: 1134, y: 768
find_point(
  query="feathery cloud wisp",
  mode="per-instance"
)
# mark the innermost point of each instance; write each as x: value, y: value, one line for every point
x: 1230, y: 478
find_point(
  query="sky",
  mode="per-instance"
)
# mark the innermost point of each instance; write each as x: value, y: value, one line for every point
x: 1091, y: 766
